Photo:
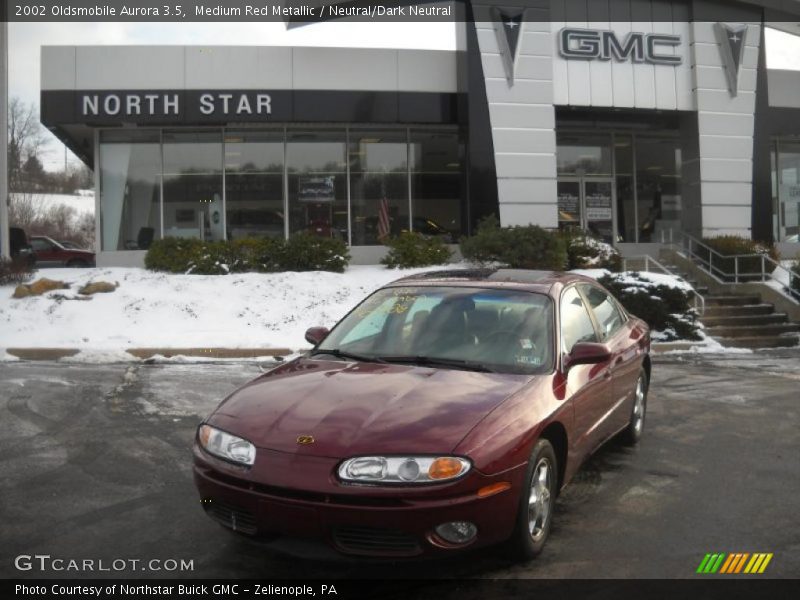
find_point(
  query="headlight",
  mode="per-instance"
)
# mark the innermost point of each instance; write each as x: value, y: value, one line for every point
x: 225, y: 445
x: 403, y: 469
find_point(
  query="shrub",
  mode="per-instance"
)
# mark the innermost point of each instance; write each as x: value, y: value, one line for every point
x: 173, y: 255
x: 15, y: 271
x: 307, y: 252
x: 303, y: 252
x: 517, y: 247
x: 412, y: 249
x: 729, y: 245
x: 665, y: 309
x: 586, y: 252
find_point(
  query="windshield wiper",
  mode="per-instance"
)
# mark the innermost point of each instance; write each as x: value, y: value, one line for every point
x: 348, y: 355
x: 428, y: 361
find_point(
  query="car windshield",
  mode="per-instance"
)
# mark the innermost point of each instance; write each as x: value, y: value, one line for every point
x: 505, y: 331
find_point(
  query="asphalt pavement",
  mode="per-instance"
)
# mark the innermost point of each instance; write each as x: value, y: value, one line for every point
x: 95, y: 464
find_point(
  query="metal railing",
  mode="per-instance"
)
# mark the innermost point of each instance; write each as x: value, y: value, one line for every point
x: 719, y: 265
x: 650, y: 263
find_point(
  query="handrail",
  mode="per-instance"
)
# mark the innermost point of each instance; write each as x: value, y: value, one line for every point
x: 689, y: 243
x: 699, y: 301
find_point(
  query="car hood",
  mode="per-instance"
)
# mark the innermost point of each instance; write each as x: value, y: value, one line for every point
x: 362, y: 408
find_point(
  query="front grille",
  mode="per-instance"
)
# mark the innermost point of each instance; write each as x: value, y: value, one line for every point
x: 231, y: 517
x: 368, y: 540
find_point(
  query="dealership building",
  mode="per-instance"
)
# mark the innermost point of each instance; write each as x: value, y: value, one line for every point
x: 629, y: 119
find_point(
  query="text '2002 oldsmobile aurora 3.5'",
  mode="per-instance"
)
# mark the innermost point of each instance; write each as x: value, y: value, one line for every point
x: 444, y: 412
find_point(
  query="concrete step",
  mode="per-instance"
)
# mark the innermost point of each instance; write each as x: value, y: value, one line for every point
x: 739, y: 311
x: 731, y: 300
x: 744, y: 320
x: 784, y: 341
x: 776, y: 329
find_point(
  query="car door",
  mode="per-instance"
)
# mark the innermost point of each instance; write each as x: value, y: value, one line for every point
x: 588, y: 386
x: 46, y: 253
x: 625, y: 354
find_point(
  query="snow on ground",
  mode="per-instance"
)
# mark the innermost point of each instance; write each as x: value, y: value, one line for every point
x: 82, y: 202
x: 158, y: 310
x: 780, y: 278
x: 184, y: 311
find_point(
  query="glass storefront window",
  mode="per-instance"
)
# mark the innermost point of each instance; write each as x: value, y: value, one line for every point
x: 658, y: 186
x: 378, y: 185
x: 130, y: 171
x: 317, y: 179
x: 788, y: 180
x: 193, y: 185
x: 436, y: 184
x: 626, y: 199
x: 254, y: 184
x: 583, y: 154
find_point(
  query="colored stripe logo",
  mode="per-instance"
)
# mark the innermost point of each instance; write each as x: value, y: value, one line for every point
x: 735, y: 563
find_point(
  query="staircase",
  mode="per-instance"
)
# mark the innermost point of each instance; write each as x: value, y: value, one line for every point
x: 744, y: 321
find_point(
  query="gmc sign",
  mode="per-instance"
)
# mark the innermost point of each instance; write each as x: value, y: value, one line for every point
x: 591, y: 44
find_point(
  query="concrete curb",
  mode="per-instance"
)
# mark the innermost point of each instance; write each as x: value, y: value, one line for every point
x: 50, y: 354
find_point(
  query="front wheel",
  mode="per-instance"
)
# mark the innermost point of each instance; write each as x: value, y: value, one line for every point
x: 633, y: 432
x: 538, y: 496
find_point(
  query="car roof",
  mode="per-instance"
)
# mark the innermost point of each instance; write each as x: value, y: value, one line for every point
x: 529, y: 280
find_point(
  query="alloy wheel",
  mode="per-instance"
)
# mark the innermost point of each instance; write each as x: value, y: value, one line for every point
x: 539, y: 499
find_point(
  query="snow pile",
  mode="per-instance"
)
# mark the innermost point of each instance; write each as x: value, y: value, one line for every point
x: 151, y: 309
x: 634, y: 278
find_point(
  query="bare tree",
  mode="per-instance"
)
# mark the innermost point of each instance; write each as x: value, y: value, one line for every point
x: 25, y: 209
x: 25, y: 140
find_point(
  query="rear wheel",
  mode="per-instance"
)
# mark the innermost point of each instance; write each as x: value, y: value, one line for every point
x: 633, y: 432
x: 538, y: 496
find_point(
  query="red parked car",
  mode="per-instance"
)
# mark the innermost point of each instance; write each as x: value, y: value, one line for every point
x: 444, y: 412
x: 50, y: 253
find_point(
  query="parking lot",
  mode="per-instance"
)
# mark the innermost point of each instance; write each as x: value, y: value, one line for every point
x: 95, y: 462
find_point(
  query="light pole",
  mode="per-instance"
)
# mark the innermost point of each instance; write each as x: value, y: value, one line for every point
x: 5, y: 249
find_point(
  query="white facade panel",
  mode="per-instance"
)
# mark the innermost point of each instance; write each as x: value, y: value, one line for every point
x: 58, y: 67
x: 540, y: 116
x: 720, y: 101
x: 543, y: 215
x: 726, y: 169
x: 527, y: 190
x: 324, y: 69
x: 427, y: 71
x: 526, y: 91
x: 524, y: 140
x: 726, y: 146
x: 725, y: 124
x: 525, y: 165
x: 221, y: 67
x: 719, y: 220
x: 726, y: 193
x: 129, y: 67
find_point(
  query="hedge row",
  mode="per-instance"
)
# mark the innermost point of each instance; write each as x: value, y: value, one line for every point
x: 412, y: 249
x: 532, y: 247
x: 302, y: 252
x: 664, y: 308
x: 730, y: 245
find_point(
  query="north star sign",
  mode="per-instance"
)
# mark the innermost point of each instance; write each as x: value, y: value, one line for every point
x: 164, y: 104
x: 598, y: 44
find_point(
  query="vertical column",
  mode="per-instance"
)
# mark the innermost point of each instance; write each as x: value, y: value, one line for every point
x: 522, y: 116
x: 5, y: 248
x: 725, y: 131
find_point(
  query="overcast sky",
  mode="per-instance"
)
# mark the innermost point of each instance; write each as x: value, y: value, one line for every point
x: 26, y: 39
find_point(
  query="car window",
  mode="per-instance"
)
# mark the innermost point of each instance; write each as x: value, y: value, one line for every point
x: 502, y: 330
x: 605, y: 310
x: 576, y: 324
x: 41, y: 245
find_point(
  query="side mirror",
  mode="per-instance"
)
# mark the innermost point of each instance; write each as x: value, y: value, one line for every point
x: 314, y: 335
x: 586, y: 353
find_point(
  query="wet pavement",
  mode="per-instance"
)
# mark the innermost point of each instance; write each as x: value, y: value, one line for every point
x: 95, y: 463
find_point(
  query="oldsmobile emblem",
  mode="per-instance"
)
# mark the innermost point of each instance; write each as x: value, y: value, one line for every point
x: 304, y: 440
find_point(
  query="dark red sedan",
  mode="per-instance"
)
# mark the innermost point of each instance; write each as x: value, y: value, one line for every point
x: 444, y: 412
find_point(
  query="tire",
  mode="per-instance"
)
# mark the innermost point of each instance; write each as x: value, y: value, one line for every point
x: 535, y: 515
x: 633, y: 432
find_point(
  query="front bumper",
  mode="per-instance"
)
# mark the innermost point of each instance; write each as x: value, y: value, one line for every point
x: 303, y: 499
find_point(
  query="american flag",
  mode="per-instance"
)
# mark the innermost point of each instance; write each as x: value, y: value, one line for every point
x: 383, y: 218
